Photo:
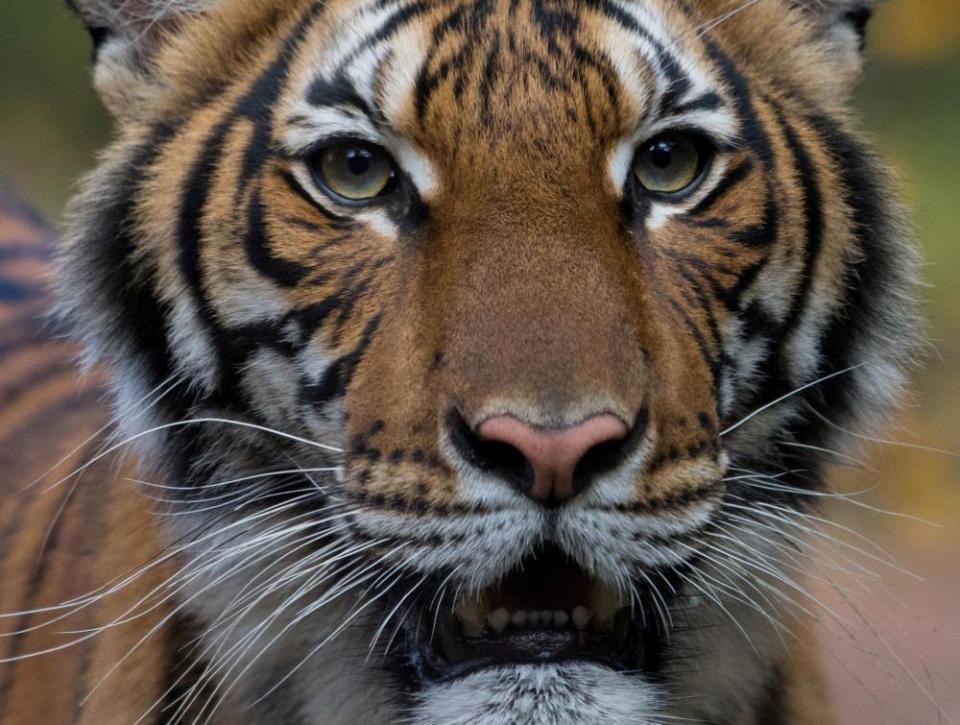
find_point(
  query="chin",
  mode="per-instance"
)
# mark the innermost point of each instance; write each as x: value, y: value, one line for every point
x: 568, y: 692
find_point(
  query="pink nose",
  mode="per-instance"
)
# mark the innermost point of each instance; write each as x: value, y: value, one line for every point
x: 553, y: 454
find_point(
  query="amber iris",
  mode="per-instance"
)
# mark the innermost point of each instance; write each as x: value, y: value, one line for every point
x: 355, y: 171
x: 670, y: 163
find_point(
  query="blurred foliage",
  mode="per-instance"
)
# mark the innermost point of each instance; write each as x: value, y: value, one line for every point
x: 917, y: 30
x: 50, y: 120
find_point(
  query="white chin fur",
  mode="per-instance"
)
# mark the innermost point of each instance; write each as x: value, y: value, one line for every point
x: 561, y: 694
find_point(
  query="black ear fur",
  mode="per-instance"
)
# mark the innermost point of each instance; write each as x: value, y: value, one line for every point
x: 99, y: 34
x: 839, y: 15
x: 126, y: 35
x: 858, y: 18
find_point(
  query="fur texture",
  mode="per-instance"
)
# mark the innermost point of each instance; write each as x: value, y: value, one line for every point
x: 299, y: 371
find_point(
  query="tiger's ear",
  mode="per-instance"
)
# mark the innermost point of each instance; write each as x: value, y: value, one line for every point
x: 842, y: 24
x: 126, y: 36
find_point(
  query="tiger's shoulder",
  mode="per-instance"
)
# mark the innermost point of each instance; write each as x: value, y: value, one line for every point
x: 41, y: 388
x: 63, y: 537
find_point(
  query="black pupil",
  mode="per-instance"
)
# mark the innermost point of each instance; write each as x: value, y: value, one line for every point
x: 359, y: 161
x: 661, y: 154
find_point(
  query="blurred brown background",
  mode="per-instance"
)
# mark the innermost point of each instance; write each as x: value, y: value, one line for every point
x: 889, y: 618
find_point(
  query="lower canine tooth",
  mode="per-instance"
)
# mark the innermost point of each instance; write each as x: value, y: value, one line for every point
x: 533, y: 619
x: 498, y: 619
x: 471, y: 617
x: 518, y: 619
x: 603, y: 606
x: 581, y: 617
x: 561, y: 618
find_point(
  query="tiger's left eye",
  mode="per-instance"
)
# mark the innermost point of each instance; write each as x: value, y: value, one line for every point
x: 355, y: 171
x: 671, y: 162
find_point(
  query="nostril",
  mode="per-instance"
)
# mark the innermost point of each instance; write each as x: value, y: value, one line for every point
x: 607, y: 455
x: 497, y: 457
x: 549, y: 465
x: 603, y: 457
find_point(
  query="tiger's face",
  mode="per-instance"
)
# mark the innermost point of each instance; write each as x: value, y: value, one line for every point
x: 492, y: 345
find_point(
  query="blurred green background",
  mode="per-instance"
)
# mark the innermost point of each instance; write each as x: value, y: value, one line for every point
x: 889, y: 662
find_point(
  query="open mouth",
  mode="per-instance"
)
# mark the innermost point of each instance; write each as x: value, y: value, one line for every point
x: 547, y: 610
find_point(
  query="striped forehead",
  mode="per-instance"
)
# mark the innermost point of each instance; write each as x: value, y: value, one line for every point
x: 364, y: 69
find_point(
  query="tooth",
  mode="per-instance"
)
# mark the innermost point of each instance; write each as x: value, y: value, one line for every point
x: 471, y: 617
x: 581, y: 616
x: 518, y: 618
x: 546, y: 617
x: 561, y: 618
x: 498, y: 620
x: 604, y: 607
x: 533, y: 619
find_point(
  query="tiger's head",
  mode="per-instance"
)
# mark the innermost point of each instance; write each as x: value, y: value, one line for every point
x: 490, y: 351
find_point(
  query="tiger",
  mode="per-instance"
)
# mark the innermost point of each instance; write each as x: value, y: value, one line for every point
x: 446, y: 362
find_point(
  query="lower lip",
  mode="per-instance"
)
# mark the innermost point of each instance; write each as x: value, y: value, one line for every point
x: 614, y: 648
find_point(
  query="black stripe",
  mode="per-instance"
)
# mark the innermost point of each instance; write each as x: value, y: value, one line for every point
x: 336, y: 379
x: 350, y: 299
x: 310, y: 318
x: 621, y: 16
x: 93, y: 519
x: 10, y: 390
x: 284, y: 272
x: 869, y: 279
x: 38, y: 577
x: 713, y: 362
x: 678, y: 84
x: 428, y: 81
x: 752, y: 132
x: 338, y: 222
x: 491, y: 68
x: 754, y: 135
x: 729, y: 182
x: 709, y: 101
x: 813, y: 218
x: 337, y: 91
x: 587, y: 60
x: 257, y: 106
x: 707, y: 271
x: 112, y: 262
x: 757, y: 321
x: 190, y: 229
x: 392, y: 25
x: 16, y: 291
x: 701, y: 300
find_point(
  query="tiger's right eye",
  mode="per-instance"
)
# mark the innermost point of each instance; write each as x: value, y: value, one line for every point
x: 671, y: 163
x: 355, y: 171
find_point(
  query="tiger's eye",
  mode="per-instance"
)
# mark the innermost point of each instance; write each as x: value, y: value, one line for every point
x: 670, y: 163
x: 355, y: 171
